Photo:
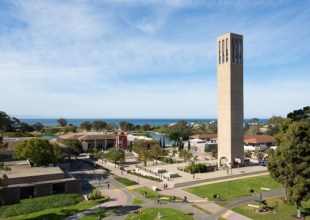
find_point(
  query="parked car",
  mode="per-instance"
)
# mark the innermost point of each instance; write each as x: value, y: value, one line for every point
x: 263, y: 162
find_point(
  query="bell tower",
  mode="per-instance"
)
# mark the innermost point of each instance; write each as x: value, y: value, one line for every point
x: 230, y: 99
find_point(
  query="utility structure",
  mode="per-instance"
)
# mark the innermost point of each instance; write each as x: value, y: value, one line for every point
x: 230, y: 100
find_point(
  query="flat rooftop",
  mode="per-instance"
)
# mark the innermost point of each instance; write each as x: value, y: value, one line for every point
x: 24, y: 169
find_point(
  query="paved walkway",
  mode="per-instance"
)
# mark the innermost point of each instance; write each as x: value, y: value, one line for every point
x: 193, y: 199
x: 121, y: 195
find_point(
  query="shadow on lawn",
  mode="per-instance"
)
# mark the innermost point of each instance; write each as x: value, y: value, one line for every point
x: 125, y: 210
x: 55, y: 216
x: 306, y: 212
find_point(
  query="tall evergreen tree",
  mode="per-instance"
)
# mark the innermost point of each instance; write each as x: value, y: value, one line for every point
x: 290, y: 164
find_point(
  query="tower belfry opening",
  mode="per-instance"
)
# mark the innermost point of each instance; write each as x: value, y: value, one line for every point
x: 230, y: 99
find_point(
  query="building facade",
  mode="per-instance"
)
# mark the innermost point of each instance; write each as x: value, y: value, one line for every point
x: 25, y: 181
x: 230, y: 99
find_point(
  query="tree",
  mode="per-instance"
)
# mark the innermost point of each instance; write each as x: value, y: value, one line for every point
x: 111, y: 126
x: 156, y: 151
x: 185, y: 155
x: 126, y: 126
x: 116, y: 156
x: 164, y: 141
x: 73, y: 147
x: 101, y: 155
x: 6, y: 123
x: 24, y: 127
x: 62, y: 122
x: 180, y: 131
x: 212, y: 128
x: 70, y: 128
x: 273, y: 124
x: 38, y: 151
x: 254, y: 129
x: 146, y: 127
x: 300, y: 114
x: 254, y: 120
x: 86, y: 125
x: 3, y: 177
x: 99, y: 125
x: 38, y: 126
x: 188, y: 146
x: 290, y: 164
x: 144, y: 154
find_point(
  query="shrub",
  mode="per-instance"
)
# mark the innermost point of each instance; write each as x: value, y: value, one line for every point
x: 167, y: 160
x: 146, y: 177
x: 95, y: 194
x: 196, y: 168
x: 27, y: 206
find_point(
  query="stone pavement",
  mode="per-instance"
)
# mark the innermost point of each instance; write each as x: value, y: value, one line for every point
x: 122, y: 196
x: 193, y: 199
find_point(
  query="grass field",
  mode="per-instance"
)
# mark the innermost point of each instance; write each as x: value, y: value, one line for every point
x: 138, y: 201
x: 283, y: 211
x: 56, y: 213
x: 150, y: 194
x: 235, y: 188
x: 125, y: 182
x: 104, y: 213
x: 166, y: 213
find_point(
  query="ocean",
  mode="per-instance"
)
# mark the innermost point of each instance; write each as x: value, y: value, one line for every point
x: 152, y: 122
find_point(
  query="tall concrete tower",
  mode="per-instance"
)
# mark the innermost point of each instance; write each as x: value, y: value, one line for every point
x: 230, y: 99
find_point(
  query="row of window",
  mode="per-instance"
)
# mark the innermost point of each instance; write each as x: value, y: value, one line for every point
x: 236, y: 46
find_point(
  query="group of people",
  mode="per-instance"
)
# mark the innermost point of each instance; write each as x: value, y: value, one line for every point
x: 165, y: 186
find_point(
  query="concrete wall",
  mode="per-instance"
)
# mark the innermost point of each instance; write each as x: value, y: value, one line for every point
x: 230, y: 100
x: 73, y: 186
x: 43, y: 189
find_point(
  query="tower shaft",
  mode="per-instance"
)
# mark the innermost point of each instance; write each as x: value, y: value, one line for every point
x: 230, y: 99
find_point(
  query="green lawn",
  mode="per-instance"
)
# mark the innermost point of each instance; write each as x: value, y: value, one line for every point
x: 166, y: 213
x: 284, y: 211
x: 235, y: 188
x: 27, y: 206
x: 151, y: 194
x: 138, y: 201
x: 104, y: 213
x: 56, y: 213
x: 125, y: 181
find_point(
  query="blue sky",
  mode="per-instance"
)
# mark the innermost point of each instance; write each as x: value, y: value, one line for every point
x: 149, y: 59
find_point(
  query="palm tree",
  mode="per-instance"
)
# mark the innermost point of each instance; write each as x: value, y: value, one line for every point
x: 144, y: 156
x: 186, y: 155
x: 156, y: 151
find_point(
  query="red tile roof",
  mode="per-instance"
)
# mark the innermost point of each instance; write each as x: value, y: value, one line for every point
x: 255, y: 139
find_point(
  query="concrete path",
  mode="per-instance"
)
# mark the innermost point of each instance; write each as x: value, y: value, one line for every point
x: 121, y: 195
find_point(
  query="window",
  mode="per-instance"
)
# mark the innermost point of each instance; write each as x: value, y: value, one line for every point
x: 219, y: 52
x: 223, y: 54
x: 236, y: 51
x: 233, y: 50
x: 240, y: 50
x: 226, y: 50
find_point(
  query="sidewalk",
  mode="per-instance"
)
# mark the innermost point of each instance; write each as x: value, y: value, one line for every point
x: 193, y: 199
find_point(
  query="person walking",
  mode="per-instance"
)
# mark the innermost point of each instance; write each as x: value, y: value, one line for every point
x: 108, y: 185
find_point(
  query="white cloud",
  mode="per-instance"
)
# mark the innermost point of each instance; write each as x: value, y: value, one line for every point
x: 146, y: 59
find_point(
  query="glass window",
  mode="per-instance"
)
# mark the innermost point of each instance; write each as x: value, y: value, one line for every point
x: 233, y: 50
x: 226, y: 50
x: 219, y: 52
x: 223, y: 54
